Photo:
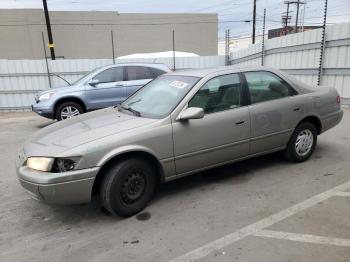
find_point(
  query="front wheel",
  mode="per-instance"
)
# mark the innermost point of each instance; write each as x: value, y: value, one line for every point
x: 68, y: 110
x: 302, y: 143
x: 128, y: 186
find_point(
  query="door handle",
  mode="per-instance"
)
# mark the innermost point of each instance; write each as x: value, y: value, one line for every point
x: 240, y: 123
x: 296, y: 109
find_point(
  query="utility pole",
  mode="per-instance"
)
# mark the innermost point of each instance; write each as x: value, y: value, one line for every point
x: 323, y: 44
x: 47, y: 64
x: 298, y: 3
x: 254, y: 21
x: 287, y: 18
x: 263, y: 41
x: 49, y: 33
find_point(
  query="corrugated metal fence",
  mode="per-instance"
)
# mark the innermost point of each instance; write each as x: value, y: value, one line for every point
x: 299, y: 55
x: 20, y: 80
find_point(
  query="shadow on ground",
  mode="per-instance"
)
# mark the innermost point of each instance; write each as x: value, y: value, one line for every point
x: 236, y: 173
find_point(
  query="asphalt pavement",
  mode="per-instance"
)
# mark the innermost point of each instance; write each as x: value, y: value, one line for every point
x: 262, y: 209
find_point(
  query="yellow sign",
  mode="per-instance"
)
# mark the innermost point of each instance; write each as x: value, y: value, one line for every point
x: 51, y: 45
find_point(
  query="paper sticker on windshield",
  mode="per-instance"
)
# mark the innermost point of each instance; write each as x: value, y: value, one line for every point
x: 178, y: 84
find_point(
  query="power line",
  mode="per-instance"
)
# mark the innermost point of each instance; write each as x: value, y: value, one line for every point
x: 128, y: 24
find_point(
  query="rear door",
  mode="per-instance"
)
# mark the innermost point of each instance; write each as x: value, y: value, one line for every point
x: 109, y: 91
x: 136, y: 77
x: 275, y: 110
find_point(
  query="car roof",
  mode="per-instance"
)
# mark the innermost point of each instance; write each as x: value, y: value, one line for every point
x: 222, y: 69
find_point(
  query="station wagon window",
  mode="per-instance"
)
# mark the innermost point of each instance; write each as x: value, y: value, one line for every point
x: 265, y: 86
x: 114, y: 74
x: 138, y: 73
x: 218, y: 94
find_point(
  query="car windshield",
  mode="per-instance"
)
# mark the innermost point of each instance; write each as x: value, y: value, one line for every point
x: 159, y: 97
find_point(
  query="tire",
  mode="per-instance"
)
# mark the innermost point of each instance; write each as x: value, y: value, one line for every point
x: 302, y: 143
x: 127, y: 187
x: 70, y: 109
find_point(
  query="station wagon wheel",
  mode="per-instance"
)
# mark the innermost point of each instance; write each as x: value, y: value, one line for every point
x: 302, y: 143
x: 68, y: 110
x: 128, y: 186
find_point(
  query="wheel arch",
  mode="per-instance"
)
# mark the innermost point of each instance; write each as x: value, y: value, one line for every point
x: 313, y: 120
x: 69, y: 99
x: 111, y: 160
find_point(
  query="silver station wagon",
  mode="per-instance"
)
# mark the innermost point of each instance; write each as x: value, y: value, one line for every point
x: 178, y: 124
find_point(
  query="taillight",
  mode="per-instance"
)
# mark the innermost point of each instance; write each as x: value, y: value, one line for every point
x: 338, y: 99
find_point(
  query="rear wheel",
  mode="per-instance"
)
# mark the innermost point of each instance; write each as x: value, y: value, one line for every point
x: 302, y: 143
x: 128, y: 186
x: 68, y: 110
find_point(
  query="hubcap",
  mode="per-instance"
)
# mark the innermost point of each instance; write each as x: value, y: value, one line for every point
x: 304, y: 142
x: 133, y: 188
x: 69, y: 111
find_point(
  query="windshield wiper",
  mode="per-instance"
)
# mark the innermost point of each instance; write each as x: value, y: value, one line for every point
x: 135, y: 112
x: 134, y: 102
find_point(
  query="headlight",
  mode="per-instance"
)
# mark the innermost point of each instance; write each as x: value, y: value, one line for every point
x: 46, y: 96
x: 55, y: 165
x: 40, y: 163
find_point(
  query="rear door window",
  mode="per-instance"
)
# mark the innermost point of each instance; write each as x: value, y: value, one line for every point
x: 265, y: 86
x: 138, y: 73
x: 156, y: 72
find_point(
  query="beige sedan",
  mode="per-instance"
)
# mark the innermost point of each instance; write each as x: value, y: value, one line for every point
x: 180, y: 123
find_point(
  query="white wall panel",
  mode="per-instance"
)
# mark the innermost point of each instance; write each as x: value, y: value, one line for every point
x: 305, y: 61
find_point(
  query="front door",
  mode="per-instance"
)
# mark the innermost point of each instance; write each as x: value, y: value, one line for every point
x: 109, y: 91
x: 222, y: 135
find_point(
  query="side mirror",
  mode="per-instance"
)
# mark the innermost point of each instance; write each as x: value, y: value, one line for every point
x: 94, y: 82
x: 191, y: 113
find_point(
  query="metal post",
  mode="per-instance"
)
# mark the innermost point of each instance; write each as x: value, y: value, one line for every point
x: 263, y: 41
x: 47, y: 64
x: 174, y: 65
x: 228, y: 46
x: 49, y: 33
x: 112, y: 47
x: 254, y: 21
x: 323, y: 44
x: 297, y: 16
x: 302, y: 28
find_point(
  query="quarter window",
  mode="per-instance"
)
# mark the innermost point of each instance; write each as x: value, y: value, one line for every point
x: 218, y: 94
x: 114, y: 74
x: 138, y: 73
x: 265, y: 86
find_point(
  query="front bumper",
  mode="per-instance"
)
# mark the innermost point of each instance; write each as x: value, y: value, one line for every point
x: 44, y: 111
x: 72, y: 187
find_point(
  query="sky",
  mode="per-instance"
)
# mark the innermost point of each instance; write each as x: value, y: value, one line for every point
x: 231, y: 13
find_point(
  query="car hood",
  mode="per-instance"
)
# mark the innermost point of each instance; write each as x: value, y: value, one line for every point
x: 70, y: 133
